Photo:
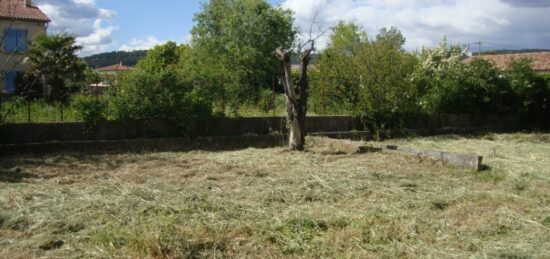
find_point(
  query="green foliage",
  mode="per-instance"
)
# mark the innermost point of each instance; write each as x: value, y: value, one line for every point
x: 90, y: 110
x: 447, y: 84
x: 267, y: 100
x: 367, y: 78
x: 160, y: 89
x: 531, y: 88
x: 470, y: 88
x: 385, y: 71
x: 336, y: 85
x: 232, y: 45
x: 54, y: 58
x: 435, y: 68
x: 28, y: 86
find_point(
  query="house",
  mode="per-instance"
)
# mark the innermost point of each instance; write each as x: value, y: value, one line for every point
x: 541, y: 60
x: 109, y: 75
x: 20, y: 22
x: 114, y: 69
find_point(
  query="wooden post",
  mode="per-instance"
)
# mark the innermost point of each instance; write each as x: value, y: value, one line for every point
x: 274, y: 96
x: 28, y: 111
x: 97, y: 88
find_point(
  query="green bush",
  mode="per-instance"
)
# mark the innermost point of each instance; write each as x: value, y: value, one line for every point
x: 531, y: 88
x: 158, y: 95
x: 267, y: 100
x: 161, y: 88
x: 475, y: 87
x: 90, y: 110
x: 447, y: 84
x: 28, y: 86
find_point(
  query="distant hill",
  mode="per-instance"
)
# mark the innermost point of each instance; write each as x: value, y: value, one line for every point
x: 110, y: 58
x: 510, y: 51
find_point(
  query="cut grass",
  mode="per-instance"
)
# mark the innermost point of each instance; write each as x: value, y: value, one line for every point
x: 275, y: 203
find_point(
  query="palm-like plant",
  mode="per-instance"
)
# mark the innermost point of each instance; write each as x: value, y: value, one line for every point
x: 53, y: 59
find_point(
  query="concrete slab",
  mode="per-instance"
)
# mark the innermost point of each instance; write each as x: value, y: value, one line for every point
x: 469, y: 161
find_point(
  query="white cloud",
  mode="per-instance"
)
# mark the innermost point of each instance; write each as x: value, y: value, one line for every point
x: 150, y: 42
x: 498, y: 23
x: 141, y: 44
x: 90, y: 24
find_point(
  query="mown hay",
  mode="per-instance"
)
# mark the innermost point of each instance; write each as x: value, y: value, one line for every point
x: 275, y: 203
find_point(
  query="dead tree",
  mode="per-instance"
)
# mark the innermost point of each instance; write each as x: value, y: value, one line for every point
x: 296, y: 96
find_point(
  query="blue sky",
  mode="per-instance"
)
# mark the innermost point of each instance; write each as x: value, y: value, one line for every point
x: 107, y: 25
x: 162, y: 19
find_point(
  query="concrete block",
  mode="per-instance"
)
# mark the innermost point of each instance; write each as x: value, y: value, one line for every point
x: 469, y: 161
x: 340, y: 146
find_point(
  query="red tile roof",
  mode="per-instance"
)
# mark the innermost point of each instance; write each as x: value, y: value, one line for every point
x: 16, y: 9
x: 117, y: 67
x: 541, y: 60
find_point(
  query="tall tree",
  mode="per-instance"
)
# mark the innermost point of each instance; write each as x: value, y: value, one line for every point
x: 338, y: 84
x: 369, y: 78
x: 232, y: 43
x: 53, y: 58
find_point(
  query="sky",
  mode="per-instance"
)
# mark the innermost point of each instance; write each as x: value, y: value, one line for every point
x: 109, y: 25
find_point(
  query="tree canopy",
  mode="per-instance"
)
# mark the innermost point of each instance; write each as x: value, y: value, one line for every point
x: 364, y: 76
x: 232, y: 42
x: 54, y: 59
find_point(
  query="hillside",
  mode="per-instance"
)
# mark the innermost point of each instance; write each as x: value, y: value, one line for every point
x: 109, y: 58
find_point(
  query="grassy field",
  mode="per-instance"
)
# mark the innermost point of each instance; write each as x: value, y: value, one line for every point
x: 273, y: 203
x: 41, y: 112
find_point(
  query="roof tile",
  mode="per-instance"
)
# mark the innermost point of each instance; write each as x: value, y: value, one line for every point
x: 541, y: 60
x: 117, y: 67
x: 16, y: 9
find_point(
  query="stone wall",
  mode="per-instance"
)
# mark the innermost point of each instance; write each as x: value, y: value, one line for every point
x: 118, y: 130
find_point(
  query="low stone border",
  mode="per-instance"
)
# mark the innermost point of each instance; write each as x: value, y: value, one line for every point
x: 468, y: 161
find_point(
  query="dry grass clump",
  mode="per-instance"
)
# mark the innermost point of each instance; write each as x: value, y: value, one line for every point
x: 274, y: 203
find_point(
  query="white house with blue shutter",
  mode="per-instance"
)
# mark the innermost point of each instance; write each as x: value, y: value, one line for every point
x: 20, y: 22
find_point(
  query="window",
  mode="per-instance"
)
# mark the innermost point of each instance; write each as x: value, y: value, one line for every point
x: 9, y: 79
x: 15, y: 40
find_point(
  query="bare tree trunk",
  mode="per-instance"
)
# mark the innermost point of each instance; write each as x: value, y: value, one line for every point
x: 296, y: 108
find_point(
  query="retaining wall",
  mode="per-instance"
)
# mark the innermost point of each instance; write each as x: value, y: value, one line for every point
x: 118, y: 130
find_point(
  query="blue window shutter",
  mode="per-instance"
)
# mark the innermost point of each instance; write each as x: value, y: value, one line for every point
x: 9, y: 80
x: 10, y: 40
x: 22, y: 40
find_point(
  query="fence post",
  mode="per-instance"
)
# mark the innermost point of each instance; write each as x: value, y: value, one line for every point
x: 28, y: 112
x: 97, y: 88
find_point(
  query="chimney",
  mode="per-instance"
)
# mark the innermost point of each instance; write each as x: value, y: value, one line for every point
x: 28, y: 3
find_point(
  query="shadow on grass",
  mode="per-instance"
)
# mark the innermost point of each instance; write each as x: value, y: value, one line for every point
x: 484, y: 168
x: 140, y: 146
x: 15, y: 176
